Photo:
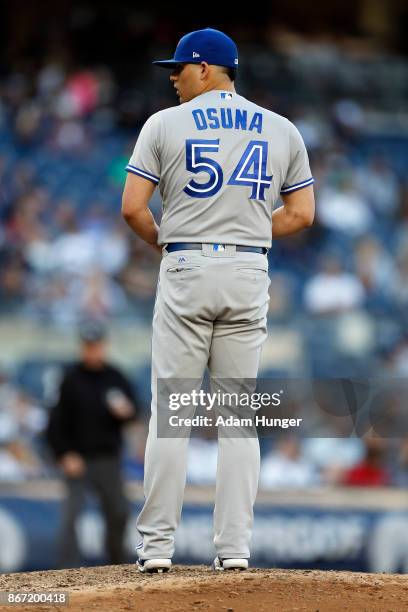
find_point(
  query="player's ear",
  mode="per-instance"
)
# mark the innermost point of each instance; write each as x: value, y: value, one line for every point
x: 204, y: 72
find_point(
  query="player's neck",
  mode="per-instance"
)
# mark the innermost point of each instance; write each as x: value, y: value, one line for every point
x: 220, y: 86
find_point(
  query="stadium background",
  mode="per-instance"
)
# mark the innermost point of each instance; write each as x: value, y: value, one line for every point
x: 76, y: 85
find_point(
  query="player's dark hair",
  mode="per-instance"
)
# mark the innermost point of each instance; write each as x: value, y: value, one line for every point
x: 230, y: 72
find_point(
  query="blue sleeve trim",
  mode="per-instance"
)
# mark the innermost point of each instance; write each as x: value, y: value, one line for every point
x: 297, y: 186
x: 142, y: 173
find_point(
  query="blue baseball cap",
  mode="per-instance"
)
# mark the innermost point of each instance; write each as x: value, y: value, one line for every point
x: 211, y: 46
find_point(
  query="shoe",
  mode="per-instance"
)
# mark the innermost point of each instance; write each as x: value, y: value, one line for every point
x: 220, y: 565
x: 150, y: 566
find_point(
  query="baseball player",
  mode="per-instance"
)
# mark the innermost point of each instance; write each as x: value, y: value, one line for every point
x: 221, y: 162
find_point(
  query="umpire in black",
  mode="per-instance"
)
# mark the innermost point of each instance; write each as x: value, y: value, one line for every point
x: 84, y: 433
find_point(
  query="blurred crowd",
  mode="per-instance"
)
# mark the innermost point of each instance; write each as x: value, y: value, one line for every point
x: 64, y: 249
x: 341, y: 288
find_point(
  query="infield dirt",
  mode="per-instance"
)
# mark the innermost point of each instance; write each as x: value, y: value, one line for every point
x: 112, y: 588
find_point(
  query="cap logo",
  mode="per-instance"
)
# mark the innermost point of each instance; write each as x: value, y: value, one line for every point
x: 195, y: 54
x: 236, y: 60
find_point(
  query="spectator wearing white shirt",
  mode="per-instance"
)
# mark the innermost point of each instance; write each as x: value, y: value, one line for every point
x: 332, y: 290
x: 287, y: 468
x: 344, y: 209
x: 202, y: 461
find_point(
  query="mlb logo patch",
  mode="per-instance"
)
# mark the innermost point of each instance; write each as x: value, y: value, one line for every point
x: 218, y: 247
x: 226, y: 95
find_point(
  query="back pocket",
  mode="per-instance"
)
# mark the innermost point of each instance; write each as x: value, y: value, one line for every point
x: 253, y: 271
x: 180, y: 269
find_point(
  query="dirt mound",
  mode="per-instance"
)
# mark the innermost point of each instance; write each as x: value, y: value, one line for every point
x: 112, y: 588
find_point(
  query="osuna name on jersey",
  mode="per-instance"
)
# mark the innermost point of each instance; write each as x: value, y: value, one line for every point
x: 227, y: 118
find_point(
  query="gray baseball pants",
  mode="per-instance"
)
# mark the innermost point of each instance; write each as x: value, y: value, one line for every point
x: 210, y: 311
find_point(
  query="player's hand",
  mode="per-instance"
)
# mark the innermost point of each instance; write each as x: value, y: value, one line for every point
x: 73, y: 465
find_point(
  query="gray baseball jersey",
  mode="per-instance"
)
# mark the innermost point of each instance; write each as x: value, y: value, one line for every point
x: 221, y: 163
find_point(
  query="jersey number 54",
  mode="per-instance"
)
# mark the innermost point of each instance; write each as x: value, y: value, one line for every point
x: 249, y: 172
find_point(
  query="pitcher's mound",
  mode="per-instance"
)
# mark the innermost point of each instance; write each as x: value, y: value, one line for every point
x: 112, y: 588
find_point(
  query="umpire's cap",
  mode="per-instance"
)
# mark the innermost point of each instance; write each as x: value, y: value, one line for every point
x: 208, y: 45
x: 92, y: 330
